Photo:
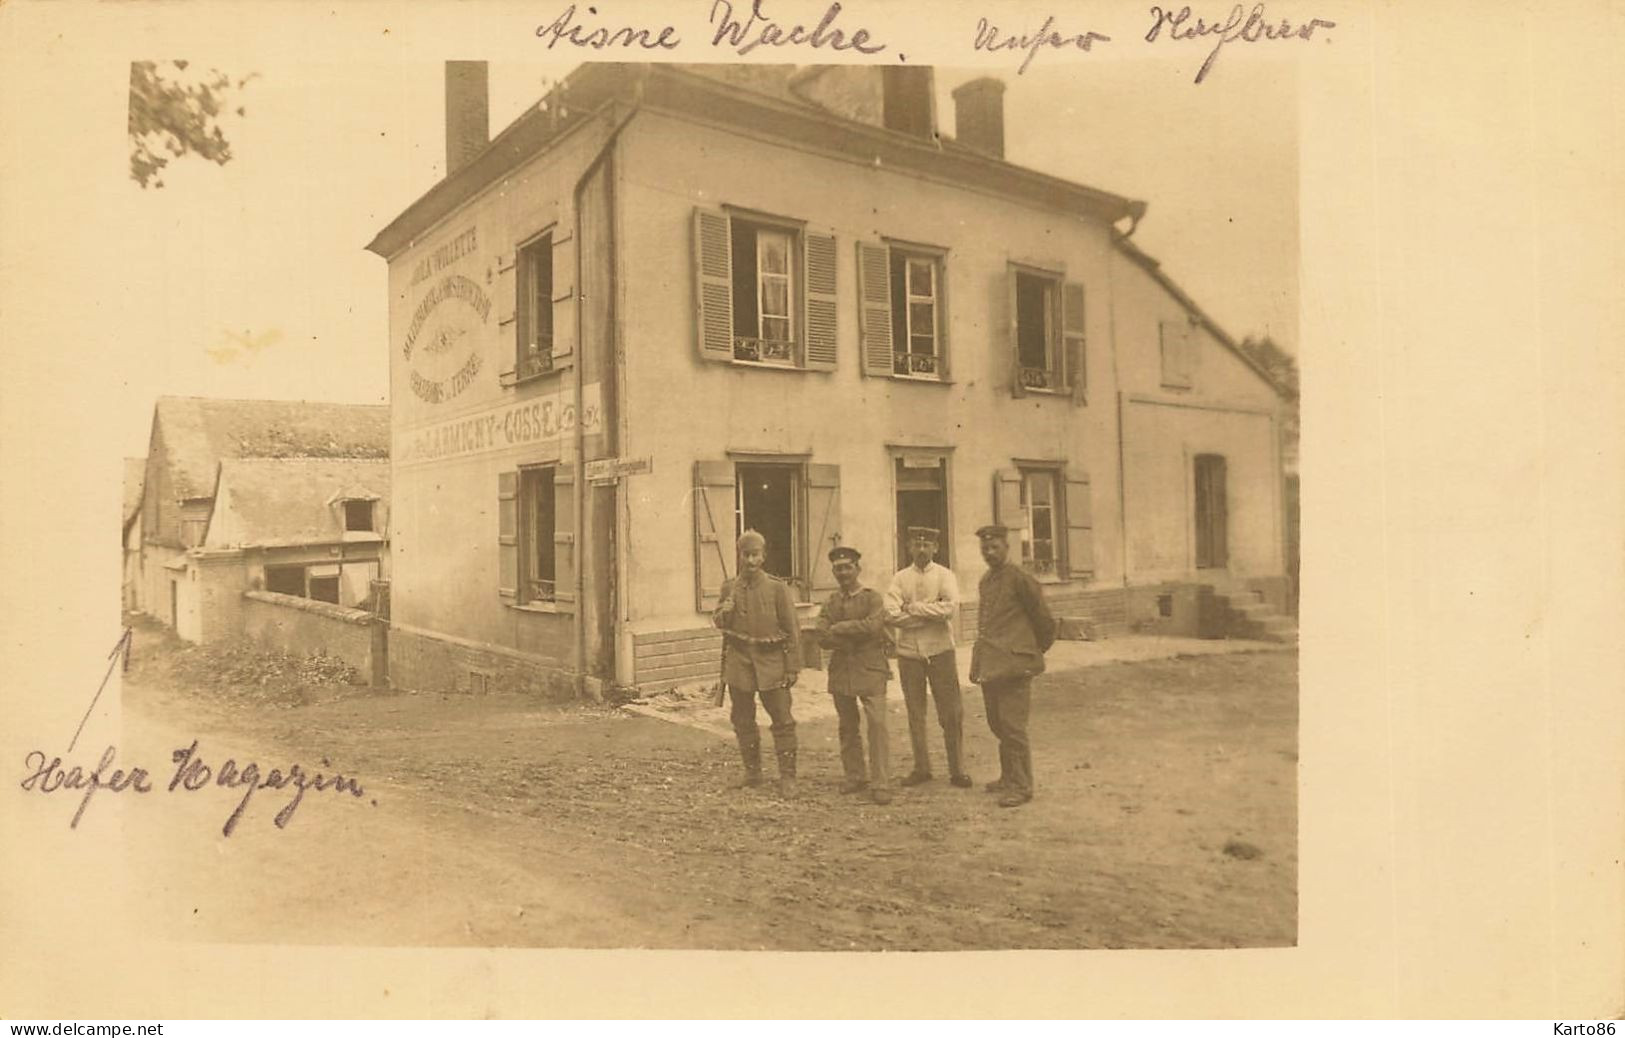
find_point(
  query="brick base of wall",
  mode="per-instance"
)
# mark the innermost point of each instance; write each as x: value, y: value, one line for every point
x: 427, y: 663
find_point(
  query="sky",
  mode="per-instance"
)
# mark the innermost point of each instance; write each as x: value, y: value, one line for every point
x: 241, y: 280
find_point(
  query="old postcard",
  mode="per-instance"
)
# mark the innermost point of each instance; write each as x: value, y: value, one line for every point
x: 761, y: 490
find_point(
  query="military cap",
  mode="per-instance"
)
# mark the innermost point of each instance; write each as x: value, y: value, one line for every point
x: 840, y: 552
x: 923, y: 533
x: 749, y: 540
x: 994, y: 530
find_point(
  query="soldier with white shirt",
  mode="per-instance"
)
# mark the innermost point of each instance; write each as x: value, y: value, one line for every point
x: 920, y: 607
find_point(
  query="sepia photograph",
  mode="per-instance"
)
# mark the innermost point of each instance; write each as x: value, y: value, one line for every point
x: 724, y: 398
x: 617, y: 496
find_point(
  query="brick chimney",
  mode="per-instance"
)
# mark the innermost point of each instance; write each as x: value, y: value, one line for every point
x: 979, y: 115
x: 468, y: 117
x: 908, y: 100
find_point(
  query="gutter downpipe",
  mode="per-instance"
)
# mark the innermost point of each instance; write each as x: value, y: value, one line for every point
x: 604, y: 152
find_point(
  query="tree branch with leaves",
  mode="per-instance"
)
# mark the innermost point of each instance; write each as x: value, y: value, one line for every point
x: 170, y: 114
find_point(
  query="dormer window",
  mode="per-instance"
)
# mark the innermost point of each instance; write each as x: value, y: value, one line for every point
x: 358, y: 516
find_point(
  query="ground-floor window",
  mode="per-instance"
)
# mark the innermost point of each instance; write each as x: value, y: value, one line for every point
x: 1039, y: 502
x: 795, y: 504
x: 768, y: 500
x: 922, y: 500
x: 537, y: 527
x: 285, y: 580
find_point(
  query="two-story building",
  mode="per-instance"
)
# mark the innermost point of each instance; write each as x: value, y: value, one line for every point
x: 670, y: 303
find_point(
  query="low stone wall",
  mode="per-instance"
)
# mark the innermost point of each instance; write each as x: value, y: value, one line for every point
x: 437, y: 663
x: 304, y: 627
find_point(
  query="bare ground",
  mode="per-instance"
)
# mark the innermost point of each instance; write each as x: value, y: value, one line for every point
x: 1165, y: 818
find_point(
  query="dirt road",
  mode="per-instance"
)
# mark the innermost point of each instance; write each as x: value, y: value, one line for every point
x: 1165, y: 818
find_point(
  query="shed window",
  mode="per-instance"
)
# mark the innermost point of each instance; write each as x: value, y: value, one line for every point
x: 358, y: 515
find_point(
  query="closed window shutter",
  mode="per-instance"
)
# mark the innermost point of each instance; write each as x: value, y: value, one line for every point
x: 1007, y: 510
x: 824, y: 520
x: 1012, y: 347
x: 564, y: 536
x: 1072, y: 327
x: 1080, y: 534
x: 874, y: 299
x: 713, y: 276
x: 507, y: 535
x: 713, y: 531
x: 1175, y: 337
x: 819, y: 252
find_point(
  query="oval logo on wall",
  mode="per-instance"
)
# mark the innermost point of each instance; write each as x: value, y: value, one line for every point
x: 441, y: 347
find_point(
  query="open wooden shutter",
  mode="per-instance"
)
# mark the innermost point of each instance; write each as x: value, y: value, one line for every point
x: 819, y: 252
x: 564, y: 536
x: 874, y: 300
x: 1080, y: 533
x: 564, y: 296
x: 1072, y: 329
x: 507, y: 534
x: 713, y: 530
x: 824, y: 520
x: 713, y: 278
x: 943, y: 371
x: 1011, y: 346
x: 508, y: 304
x: 1007, y: 510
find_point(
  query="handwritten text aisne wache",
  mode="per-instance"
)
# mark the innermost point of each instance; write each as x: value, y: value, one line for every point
x: 742, y: 29
x: 742, y: 32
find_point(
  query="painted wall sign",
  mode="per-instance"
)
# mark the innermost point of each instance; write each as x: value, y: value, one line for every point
x: 537, y: 420
x: 443, y: 358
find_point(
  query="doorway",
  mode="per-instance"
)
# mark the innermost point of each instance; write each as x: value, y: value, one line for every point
x: 767, y: 496
x: 1212, y: 513
x: 922, y: 500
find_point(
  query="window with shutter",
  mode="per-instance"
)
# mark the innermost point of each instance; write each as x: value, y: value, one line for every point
x: 537, y: 527
x: 534, y: 316
x: 1039, y: 352
x: 714, y: 524
x: 917, y: 316
x: 766, y: 291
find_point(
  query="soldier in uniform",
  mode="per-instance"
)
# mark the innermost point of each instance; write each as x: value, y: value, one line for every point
x: 761, y: 657
x: 921, y: 605
x: 852, y: 627
x: 1014, y: 630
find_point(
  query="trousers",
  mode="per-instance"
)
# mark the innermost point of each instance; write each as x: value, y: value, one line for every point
x: 1008, y: 703
x: 942, y: 673
x: 851, y: 734
x: 742, y: 713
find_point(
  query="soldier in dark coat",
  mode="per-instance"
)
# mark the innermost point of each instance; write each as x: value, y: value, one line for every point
x: 1014, y: 630
x: 761, y: 657
x: 852, y: 626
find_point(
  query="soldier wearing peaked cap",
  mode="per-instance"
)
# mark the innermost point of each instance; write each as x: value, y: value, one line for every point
x: 1014, y: 630
x: 921, y: 605
x: 761, y: 657
x: 852, y: 627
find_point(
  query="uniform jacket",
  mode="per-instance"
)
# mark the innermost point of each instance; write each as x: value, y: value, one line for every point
x: 853, y: 628
x: 921, y: 609
x: 1014, y: 626
x: 761, y: 637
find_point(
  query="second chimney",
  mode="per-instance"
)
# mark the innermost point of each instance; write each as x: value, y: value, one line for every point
x: 979, y: 115
x: 468, y: 117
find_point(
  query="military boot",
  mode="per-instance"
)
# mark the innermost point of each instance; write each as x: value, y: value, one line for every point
x: 787, y: 773
x: 751, y: 754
